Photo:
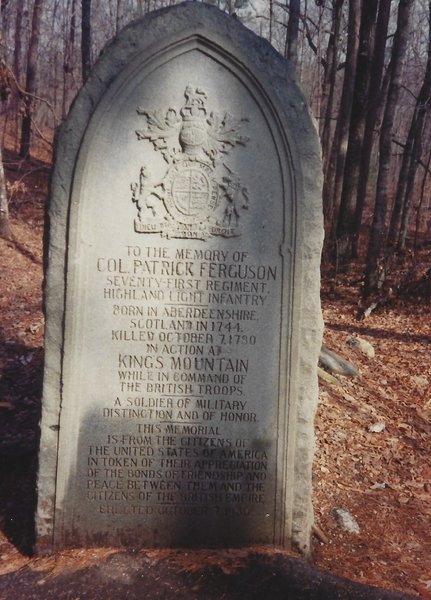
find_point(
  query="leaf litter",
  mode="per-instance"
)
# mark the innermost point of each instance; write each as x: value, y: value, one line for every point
x: 383, y: 479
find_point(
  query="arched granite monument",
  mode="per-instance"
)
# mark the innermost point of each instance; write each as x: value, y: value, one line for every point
x: 182, y: 295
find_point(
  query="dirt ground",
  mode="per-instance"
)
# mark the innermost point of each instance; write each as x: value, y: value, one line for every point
x: 373, y: 455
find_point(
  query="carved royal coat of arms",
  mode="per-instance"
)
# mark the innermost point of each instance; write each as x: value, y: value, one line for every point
x: 199, y: 196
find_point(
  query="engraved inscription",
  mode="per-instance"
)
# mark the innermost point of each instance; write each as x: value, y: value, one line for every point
x: 183, y: 322
x: 199, y: 196
x: 183, y: 419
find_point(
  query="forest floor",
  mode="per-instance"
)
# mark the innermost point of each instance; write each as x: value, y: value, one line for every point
x: 372, y: 459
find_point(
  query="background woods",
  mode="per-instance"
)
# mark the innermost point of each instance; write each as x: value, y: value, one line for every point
x: 365, y: 66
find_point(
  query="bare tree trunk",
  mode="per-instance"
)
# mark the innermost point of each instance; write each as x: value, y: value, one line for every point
x: 86, y: 39
x: 271, y: 17
x: 328, y: 87
x: 374, y: 97
x: 66, y: 59
x: 334, y: 176
x: 411, y: 175
x: 401, y: 189
x: 346, y: 216
x: 18, y: 36
x: 411, y: 156
x: 292, y: 32
x: 30, y: 86
x: 421, y: 200
x: 5, y: 230
x: 120, y: 16
x: 416, y: 129
x: 372, y: 279
x: 69, y: 49
x: 17, y: 64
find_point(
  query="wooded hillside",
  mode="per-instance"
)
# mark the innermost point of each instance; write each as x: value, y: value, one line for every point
x: 365, y: 67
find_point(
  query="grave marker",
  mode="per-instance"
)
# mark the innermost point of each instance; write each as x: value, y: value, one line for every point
x: 182, y: 296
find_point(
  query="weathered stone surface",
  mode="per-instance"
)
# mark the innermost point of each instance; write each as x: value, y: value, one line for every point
x: 182, y: 295
x: 325, y: 376
x: 362, y: 345
x: 346, y: 520
x: 336, y: 364
x: 377, y: 427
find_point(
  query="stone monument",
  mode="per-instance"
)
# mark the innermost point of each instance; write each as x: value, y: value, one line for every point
x: 182, y: 296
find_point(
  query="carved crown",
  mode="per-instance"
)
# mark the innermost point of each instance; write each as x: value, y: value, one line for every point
x: 194, y: 130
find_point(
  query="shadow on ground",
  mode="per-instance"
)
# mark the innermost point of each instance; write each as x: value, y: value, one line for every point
x: 139, y: 575
x: 20, y: 392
